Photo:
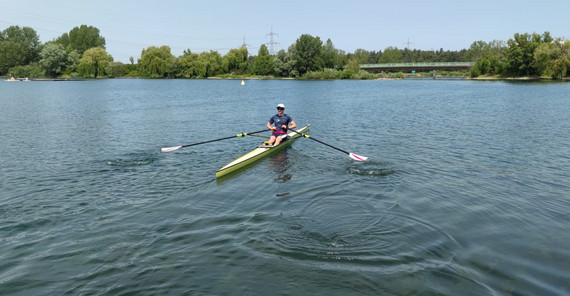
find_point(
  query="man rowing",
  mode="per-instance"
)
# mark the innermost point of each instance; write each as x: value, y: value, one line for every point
x: 279, y: 124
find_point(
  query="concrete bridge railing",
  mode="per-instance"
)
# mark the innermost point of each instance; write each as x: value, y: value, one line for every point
x: 417, y: 66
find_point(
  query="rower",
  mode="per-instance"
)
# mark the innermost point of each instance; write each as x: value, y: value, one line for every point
x: 279, y: 123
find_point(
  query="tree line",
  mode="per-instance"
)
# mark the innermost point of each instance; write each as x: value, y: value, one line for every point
x: 81, y: 53
x: 524, y: 55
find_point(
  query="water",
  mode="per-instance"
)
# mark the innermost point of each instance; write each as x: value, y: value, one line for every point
x: 465, y: 193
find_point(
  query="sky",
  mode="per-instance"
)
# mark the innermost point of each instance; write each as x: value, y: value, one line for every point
x: 129, y: 26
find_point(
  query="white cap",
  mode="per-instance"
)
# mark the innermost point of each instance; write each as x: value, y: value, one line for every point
x: 280, y: 106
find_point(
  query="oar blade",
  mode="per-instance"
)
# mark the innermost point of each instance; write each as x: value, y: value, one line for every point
x: 357, y: 157
x: 170, y: 149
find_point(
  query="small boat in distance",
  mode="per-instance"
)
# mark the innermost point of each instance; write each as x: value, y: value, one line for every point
x: 11, y: 79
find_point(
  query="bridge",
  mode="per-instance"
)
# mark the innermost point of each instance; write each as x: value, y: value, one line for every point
x: 404, y: 67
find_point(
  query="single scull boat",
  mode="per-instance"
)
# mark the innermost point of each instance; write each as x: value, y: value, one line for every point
x: 260, y: 152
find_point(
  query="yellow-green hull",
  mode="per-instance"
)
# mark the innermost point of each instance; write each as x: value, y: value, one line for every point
x: 259, y: 153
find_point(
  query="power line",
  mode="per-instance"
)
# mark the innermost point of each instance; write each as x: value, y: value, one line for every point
x: 272, y: 43
x: 407, y: 44
x: 244, y: 44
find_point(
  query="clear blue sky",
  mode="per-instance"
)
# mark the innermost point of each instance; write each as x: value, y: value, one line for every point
x: 129, y: 26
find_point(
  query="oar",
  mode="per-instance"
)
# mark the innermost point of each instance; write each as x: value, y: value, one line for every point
x: 194, y: 144
x: 351, y: 155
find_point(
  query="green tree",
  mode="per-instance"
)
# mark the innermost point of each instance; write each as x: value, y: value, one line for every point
x: 475, y: 70
x: 18, y: 46
x: 341, y: 60
x: 391, y: 55
x: 309, y: 54
x: 520, y: 53
x: 10, y: 56
x: 208, y: 64
x: 156, y: 62
x: 73, y: 61
x: 203, y: 65
x: 263, y: 64
x: 330, y: 55
x: 94, y: 62
x: 53, y: 59
x: 489, y: 57
x: 81, y: 39
x: 353, y: 65
x: 187, y: 64
x: 236, y: 61
x: 131, y: 70
x: 115, y: 69
x: 361, y: 55
x: 31, y: 70
x: 284, y: 63
x: 553, y: 59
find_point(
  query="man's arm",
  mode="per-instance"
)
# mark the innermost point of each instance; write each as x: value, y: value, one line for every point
x: 292, y: 124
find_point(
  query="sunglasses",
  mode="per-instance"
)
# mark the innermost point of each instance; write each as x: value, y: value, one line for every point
x: 280, y: 108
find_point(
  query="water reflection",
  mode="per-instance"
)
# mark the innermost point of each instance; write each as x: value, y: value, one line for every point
x: 280, y: 164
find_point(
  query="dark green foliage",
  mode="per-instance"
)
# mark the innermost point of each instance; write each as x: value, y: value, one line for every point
x: 81, y: 39
x: 330, y: 55
x: 285, y: 63
x: 18, y: 46
x: 115, y: 69
x: 156, y: 62
x: 53, y: 59
x: 203, y: 65
x: 263, y: 64
x: 524, y: 55
x: 32, y: 70
x: 520, y: 55
x: 553, y: 59
x: 236, y: 61
x: 391, y: 55
x: 94, y: 63
x: 309, y: 54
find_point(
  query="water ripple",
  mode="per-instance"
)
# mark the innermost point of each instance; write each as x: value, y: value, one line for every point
x: 132, y: 160
x: 341, y: 235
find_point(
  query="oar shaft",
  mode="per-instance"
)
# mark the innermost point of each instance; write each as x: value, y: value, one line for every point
x: 238, y: 135
x: 206, y: 142
x: 333, y: 147
x: 210, y: 141
x: 351, y: 155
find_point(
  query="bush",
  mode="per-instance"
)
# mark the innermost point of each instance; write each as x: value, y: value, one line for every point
x: 32, y: 70
x: 475, y: 71
x: 115, y: 69
x: 363, y: 75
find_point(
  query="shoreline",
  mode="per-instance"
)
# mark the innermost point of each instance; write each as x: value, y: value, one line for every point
x: 486, y: 78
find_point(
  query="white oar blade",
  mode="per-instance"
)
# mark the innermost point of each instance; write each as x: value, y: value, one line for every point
x: 357, y: 157
x: 170, y: 149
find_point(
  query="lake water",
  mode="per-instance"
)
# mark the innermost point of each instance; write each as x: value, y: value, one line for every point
x: 466, y: 191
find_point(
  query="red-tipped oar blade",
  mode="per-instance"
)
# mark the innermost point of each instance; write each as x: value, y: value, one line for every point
x: 170, y: 149
x: 357, y: 157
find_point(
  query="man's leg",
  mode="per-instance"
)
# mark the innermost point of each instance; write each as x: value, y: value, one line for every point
x: 271, y: 140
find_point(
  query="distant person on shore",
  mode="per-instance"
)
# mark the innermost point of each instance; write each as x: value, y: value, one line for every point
x: 279, y: 124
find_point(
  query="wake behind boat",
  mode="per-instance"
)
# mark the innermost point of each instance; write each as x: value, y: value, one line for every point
x: 260, y: 152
